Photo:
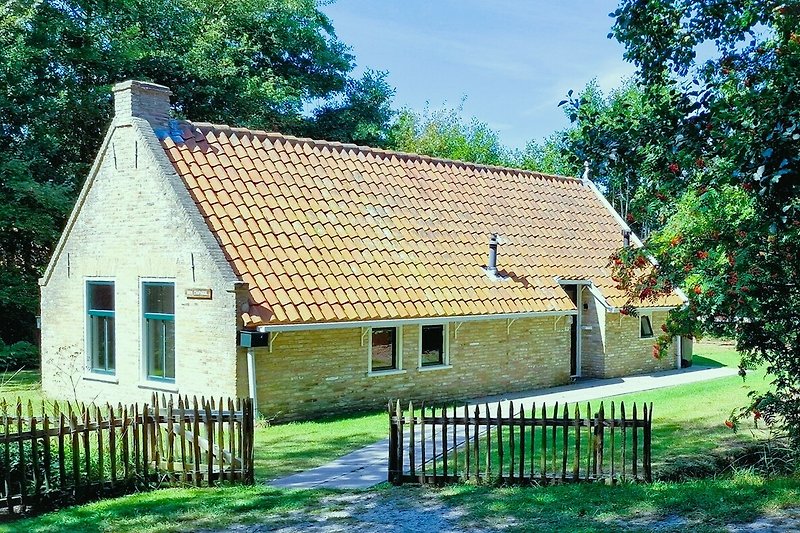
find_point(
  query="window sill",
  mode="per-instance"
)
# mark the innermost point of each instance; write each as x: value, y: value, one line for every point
x: 434, y: 367
x: 385, y: 373
x: 160, y: 386
x: 103, y: 378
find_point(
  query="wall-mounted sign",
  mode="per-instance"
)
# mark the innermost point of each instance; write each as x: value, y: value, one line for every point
x: 198, y: 294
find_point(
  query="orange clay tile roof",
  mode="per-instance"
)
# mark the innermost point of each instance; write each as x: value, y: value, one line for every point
x: 326, y: 232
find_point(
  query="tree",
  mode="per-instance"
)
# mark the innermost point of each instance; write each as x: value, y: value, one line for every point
x: 734, y: 242
x: 552, y: 156
x: 620, y: 136
x: 261, y: 64
x: 443, y: 133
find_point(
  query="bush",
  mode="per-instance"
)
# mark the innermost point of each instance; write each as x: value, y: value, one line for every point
x: 20, y: 355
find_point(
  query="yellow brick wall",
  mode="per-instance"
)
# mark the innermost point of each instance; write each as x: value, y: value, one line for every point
x: 318, y: 372
x: 133, y: 225
x: 593, y: 349
x: 627, y: 353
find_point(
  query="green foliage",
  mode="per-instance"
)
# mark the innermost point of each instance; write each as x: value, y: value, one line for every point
x: 734, y: 144
x: 20, y: 355
x: 263, y: 64
x: 623, y: 137
x: 551, y: 156
x: 443, y: 133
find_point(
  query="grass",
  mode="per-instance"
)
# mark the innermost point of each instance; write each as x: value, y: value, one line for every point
x: 288, y: 448
x: 24, y: 384
x: 170, y: 510
x: 700, y: 505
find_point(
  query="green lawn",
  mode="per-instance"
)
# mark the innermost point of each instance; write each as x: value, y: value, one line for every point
x: 697, y: 506
x: 170, y: 510
x: 23, y: 384
x: 287, y: 448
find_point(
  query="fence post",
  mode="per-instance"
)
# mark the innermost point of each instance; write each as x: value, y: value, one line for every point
x: 392, y: 474
x: 648, y: 433
x: 399, y: 452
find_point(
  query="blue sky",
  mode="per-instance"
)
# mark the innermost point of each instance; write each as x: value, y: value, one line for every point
x: 514, y: 60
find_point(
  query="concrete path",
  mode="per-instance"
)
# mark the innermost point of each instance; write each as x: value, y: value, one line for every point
x: 366, y: 467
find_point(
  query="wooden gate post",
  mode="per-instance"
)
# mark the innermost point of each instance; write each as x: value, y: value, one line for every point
x: 392, y: 474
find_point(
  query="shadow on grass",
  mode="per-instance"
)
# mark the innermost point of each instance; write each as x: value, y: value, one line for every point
x: 703, y: 505
x: 171, y: 510
x: 699, y: 360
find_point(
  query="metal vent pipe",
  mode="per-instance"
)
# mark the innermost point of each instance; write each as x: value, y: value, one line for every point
x: 491, y: 266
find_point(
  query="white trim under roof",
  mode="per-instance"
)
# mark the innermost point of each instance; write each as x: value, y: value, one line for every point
x: 403, y: 321
x: 598, y: 295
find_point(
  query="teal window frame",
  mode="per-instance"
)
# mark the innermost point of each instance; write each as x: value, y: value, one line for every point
x: 109, y: 344
x: 161, y: 320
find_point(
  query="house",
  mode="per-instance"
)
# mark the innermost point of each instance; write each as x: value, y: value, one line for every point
x: 320, y: 277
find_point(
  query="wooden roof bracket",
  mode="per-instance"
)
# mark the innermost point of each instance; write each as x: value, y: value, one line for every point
x: 509, y: 322
x: 458, y: 327
x: 556, y: 320
x: 272, y: 336
x: 364, y: 332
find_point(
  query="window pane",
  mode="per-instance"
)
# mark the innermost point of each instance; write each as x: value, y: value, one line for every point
x: 101, y: 296
x: 101, y: 343
x: 169, y: 353
x: 646, y: 327
x: 155, y: 348
x: 383, y: 349
x: 110, y: 344
x: 432, y: 345
x: 159, y: 298
x: 97, y: 342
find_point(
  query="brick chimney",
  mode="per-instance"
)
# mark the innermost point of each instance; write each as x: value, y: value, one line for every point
x: 142, y: 99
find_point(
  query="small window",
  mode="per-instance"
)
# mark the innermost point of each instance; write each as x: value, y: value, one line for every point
x: 159, y: 330
x: 100, y: 326
x: 384, y: 349
x: 432, y: 346
x: 645, y: 327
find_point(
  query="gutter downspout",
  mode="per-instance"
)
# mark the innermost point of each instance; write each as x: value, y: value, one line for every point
x: 251, y: 375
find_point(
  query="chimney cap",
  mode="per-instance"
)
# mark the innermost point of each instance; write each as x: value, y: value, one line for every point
x: 141, y: 86
x: 142, y: 99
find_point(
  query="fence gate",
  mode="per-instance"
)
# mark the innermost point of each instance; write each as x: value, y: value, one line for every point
x: 469, y: 443
x: 59, y: 454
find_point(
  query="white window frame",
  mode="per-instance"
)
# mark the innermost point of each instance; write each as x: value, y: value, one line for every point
x: 89, y: 373
x: 167, y: 385
x: 398, y: 339
x: 445, y: 349
x: 649, y: 318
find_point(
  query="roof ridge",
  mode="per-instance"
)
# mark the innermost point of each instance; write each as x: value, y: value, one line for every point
x: 370, y: 149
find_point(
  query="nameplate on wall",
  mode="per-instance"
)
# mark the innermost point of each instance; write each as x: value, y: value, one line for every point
x: 198, y: 294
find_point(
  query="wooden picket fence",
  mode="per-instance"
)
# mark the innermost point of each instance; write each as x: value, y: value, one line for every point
x: 60, y: 454
x: 456, y: 444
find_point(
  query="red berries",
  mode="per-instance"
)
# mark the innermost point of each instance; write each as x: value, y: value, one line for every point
x: 702, y: 254
x: 698, y: 289
x: 701, y: 163
x: 676, y: 240
x: 674, y: 168
x: 656, y: 352
x: 729, y: 424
